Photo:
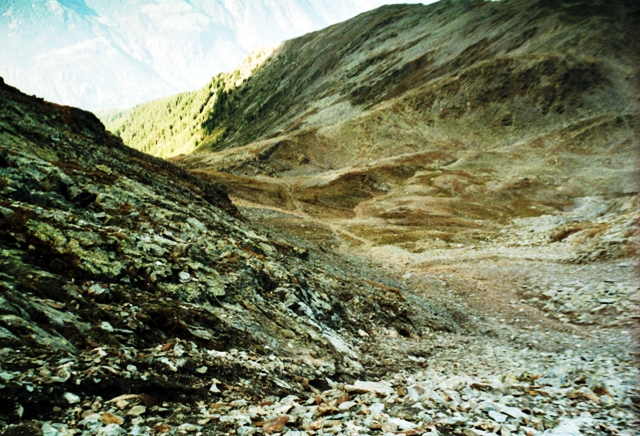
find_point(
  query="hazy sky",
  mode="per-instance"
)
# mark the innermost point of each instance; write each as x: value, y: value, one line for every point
x: 99, y: 54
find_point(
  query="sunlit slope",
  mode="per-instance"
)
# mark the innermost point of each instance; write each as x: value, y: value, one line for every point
x: 418, y: 125
x: 480, y: 72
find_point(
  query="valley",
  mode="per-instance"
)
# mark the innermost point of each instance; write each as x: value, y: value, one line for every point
x: 421, y: 221
x: 499, y: 173
x: 508, y: 125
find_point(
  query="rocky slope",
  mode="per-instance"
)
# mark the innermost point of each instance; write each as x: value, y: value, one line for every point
x: 122, y: 274
x: 113, y: 54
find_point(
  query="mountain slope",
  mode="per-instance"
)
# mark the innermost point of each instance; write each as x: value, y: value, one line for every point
x: 336, y: 74
x: 422, y: 126
x: 101, y: 54
x: 134, y: 299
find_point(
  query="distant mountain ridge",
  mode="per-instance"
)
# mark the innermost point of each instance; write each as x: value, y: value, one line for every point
x: 101, y: 54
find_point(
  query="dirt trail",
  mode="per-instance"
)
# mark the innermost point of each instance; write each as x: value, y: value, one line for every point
x: 339, y: 231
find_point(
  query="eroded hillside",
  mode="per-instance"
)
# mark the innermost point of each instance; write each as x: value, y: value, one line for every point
x: 485, y: 152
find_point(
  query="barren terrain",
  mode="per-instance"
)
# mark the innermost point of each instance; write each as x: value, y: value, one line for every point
x: 421, y: 221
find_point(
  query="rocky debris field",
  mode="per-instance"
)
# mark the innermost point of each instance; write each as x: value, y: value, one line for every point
x: 474, y: 385
x: 546, y: 333
x: 136, y: 299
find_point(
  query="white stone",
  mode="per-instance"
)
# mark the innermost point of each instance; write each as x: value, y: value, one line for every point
x: 137, y: 410
x: 347, y: 405
x: 184, y: 276
x: 104, y: 325
x: 514, y: 412
x: 71, y: 397
x: 401, y: 423
x: 376, y: 409
x: 48, y: 430
x: 373, y: 387
x: 497, y: 416
x: 190, y: 428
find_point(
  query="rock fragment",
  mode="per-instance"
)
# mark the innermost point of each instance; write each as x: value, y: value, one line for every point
x: 137, y: 410
x: 369, y: 387
x: 109, y: 418
x: 71, y: 398
x: 275, y: 425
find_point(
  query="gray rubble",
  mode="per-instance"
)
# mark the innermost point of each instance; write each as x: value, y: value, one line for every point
x: 135, y: 299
